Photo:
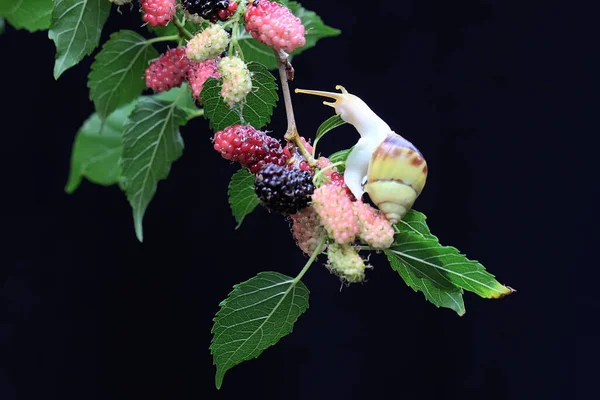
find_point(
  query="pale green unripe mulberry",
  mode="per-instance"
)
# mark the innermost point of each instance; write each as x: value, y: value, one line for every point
x: 209, y: 43
x: 343, y: 260
x: 237, y: 82
x: 120, y: 2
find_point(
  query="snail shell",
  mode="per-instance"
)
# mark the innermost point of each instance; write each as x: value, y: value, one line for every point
x: 392, y: 169
x: 396, y: 176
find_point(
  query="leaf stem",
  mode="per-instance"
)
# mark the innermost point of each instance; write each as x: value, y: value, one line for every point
x: 195, y: 114
x: 163, y: 39
x: 291, y: 135
x: 181, y: 29
x: 320, y: 171
x: 312, y: 258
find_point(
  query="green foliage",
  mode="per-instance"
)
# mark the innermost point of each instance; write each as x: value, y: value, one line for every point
x: 97, y: 149
x: 184, y: 101
x: 242, y: 197
x: 421, y: 253
x: 338, y: 156
x: 32, y: 15
x: 315, y: 30
x: 255, y: 315
x: 330, y: 124
x: 441, y: 297
x: 75, y: 30
x: 256, y: 110
x: 150, y: 145
x: 256, y: 51
x: 117, y: 75
x: 1, y: 25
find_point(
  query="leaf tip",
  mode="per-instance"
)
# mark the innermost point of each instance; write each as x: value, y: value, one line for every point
x: 219, y: 379
x: 139, y: 231
x: 506, y: 290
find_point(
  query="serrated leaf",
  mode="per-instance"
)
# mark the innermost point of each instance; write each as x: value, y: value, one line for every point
x: 242, y: 197
x: 414, y: 221
x: 420, y: 251
x: 338, y: 156
x: 255, y: 315
x: 151, y: 143
x: 440, y: 297
x: 75, y: 30
x: 184, y: 101
x: 314, y: 26
x: 32, y: 15
x: 117, y: 75
x: 97, y: 150
x: 257, y: 108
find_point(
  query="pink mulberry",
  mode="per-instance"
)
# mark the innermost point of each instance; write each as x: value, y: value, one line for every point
x: 334, y: 206
x: 274, y: 25
x: 159, y: 12
x: 200, y: 72
x: 307, y: 229
x: 168, y: 71
x: 374, y: 229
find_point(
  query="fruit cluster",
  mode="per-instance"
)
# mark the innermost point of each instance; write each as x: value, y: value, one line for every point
x: 205, y: 55
x: 312, y: 195
x: 285, y: 183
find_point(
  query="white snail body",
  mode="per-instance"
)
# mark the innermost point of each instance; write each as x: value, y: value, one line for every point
x: 392, y: 169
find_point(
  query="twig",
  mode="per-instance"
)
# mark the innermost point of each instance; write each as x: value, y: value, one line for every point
x: 291, y: 135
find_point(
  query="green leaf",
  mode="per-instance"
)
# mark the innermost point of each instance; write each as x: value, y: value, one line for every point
x: 420, y: 251
x: 441, y: 297
x: 330, y: 124
x: 338, y: 156
x: 255, y: 315
x: 256, y: 51
x: 32, y: 15
x: 257, y: 108
x: 97, y: 150
x: 242, y: 197
x: 76, y: 28
x: 117, y: 75
x: 184, y: 101
x: 151, y: 143
x: 315, y: 30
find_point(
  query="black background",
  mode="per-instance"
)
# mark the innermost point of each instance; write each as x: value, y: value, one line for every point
x: 501, y: 98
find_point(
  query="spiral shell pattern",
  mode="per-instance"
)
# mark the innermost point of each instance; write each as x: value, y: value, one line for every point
x: 396, y: 176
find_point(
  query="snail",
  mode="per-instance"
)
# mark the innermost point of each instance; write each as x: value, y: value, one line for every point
x: 382, y: 164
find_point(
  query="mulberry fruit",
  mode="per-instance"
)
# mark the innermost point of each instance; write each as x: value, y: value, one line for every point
x: 209, y: 43
x: 345, y: 262
x: 274, y: 25
x: 158, y: 12
x: 207, y: 9
x: 168, y: 71
x: 307, y: 229
x: 198, y: 73
x: 334, y: 206
x: 373, y: 227
x: 252, y: 148
x: 236, y: 80
x: 283, y: 190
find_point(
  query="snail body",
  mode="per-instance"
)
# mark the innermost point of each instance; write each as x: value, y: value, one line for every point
x: 382, y: 163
